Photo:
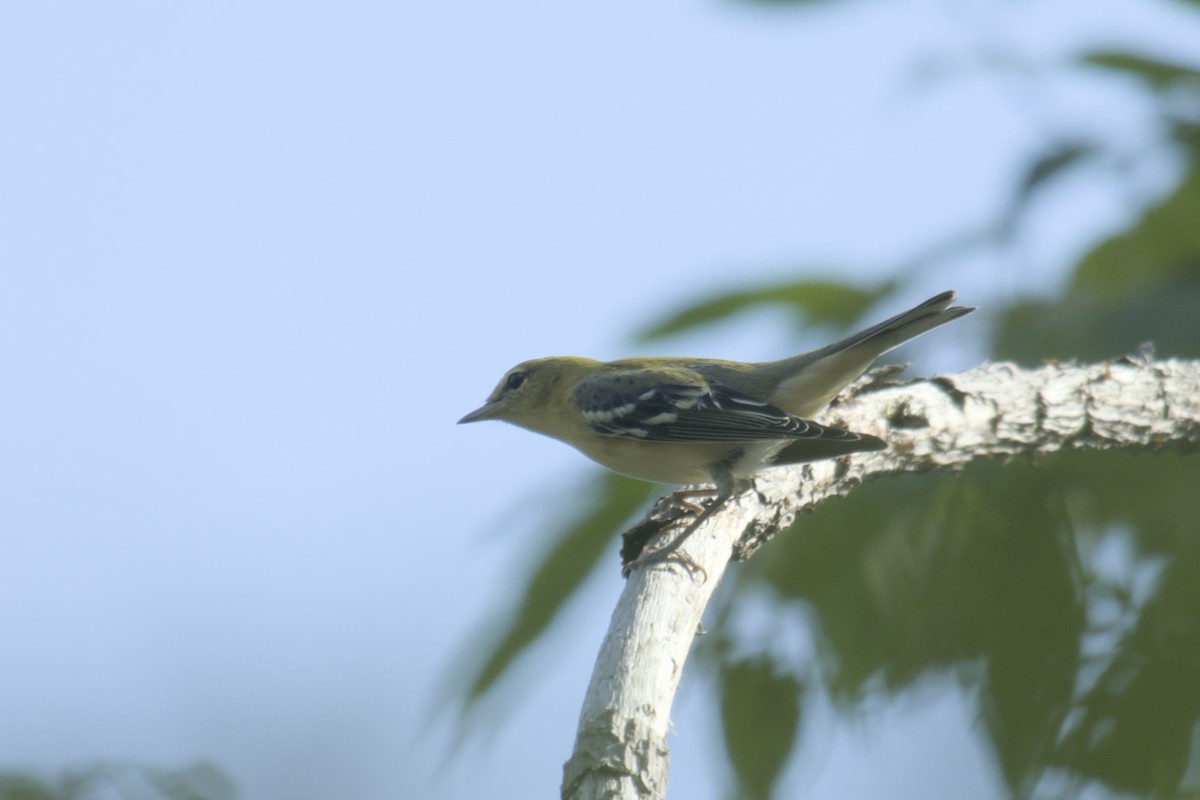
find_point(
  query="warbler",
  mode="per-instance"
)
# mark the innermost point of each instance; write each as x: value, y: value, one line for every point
x: 693, y: 421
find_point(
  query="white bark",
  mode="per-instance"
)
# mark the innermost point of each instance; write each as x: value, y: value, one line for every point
x: 996, y: 410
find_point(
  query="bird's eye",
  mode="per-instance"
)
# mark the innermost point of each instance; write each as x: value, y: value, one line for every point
x: 514, y: 381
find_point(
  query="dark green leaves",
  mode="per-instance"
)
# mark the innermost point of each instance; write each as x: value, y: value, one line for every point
x: 1165, y: 243
x: 999, y: 581
x: 1157, y: 73
x: 760, y: 716
x: 1136, y: 721
x: 1140, y: 285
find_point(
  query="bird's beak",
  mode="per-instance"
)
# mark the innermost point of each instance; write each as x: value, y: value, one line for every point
x: 485, y: 411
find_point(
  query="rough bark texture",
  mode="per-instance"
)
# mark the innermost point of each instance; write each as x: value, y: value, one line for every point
x: 998, y: 410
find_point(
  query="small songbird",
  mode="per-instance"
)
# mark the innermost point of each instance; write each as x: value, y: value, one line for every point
x: 691, y: 420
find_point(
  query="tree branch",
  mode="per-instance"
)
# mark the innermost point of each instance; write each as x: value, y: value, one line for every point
x: 997, y: 410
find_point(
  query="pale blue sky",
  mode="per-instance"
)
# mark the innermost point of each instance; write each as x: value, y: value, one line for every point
x: 259, y: 257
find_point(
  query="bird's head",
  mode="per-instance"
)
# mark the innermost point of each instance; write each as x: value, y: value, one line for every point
x: 532, y: 393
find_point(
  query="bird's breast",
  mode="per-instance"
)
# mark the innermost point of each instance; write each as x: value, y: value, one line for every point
x: 661, y: 462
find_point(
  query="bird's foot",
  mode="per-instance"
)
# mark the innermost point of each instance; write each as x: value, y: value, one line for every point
x: 684, y: 498
x: 668, y: 553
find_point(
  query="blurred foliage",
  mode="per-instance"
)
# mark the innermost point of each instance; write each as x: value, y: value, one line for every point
x: 760, y: 715
x: 608, y: 505
x: 121, y: 782
x: 810, y: 302
x: 995, y: 577
x: 1063, y: 595
x: 1158, y: 73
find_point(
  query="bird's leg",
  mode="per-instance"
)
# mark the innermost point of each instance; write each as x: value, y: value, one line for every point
x: 684, y: 498
x: 668, y: 552
x: 636, y: 538
x: 724, y: 489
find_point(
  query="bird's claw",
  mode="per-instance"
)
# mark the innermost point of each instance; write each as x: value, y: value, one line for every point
x: 663, y: 555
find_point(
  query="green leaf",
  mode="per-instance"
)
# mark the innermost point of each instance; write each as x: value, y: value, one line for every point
x: 914, y: 576
x: 979, y: 576
x: 1054, y: 162
x: 1164, y: 243
x: 605, y: 508
x: 1091, y: 326
x: 760, y: 715
x: 1140, y: 285
x: 813, y: 302
x: 16, y: 786
x: 202, y: 781
x: 1158, y: 74
x: 1135, y: 730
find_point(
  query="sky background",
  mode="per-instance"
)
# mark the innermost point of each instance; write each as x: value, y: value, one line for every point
x: 259, y: 257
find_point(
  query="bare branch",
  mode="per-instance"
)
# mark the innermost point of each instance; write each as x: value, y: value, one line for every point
x: 997, y: 410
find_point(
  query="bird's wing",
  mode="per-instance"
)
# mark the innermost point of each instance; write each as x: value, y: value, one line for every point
x: 679, y: 405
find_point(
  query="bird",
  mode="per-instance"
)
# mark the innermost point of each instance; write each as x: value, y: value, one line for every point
x: 702, y: 421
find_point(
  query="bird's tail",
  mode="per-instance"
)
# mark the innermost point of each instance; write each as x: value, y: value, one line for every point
x: 817, y: 376
x: 891, y: 333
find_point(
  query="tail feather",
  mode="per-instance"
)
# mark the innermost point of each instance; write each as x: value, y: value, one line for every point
x: 891, y: 333
x: 817, y: 376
